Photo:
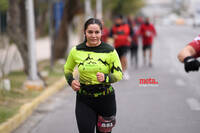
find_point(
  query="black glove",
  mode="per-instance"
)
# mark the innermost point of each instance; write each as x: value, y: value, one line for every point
x: 191, y: 64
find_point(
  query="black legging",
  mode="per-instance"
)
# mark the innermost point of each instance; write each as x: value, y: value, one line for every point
x: 87, y: 110
x: 134, y: 52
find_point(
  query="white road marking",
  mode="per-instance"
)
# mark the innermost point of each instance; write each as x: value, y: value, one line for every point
x: 193, y: 104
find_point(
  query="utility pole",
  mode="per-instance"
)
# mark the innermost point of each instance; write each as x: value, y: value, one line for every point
x: 99, y: 9
x: 33, y: 82
x: 88, y: 10
x: 31, y: 40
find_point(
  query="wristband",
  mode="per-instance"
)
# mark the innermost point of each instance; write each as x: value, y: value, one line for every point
x: 188, y: 59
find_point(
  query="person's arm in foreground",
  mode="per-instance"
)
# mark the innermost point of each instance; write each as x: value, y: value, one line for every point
x: 187, y: 56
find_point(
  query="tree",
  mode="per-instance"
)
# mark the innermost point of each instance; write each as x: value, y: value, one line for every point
x: 71, y: 8
x: 17, y: 29
x: 41, y: 17
x: 4, y: 56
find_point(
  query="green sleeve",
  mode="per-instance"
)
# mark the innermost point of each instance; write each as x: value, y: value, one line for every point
x: 115, y: 69
x: 69, y: 66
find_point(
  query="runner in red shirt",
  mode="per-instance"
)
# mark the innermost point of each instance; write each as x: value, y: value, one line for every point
x: 148, y: 32
x: 121, y: 32
x: 189, y: 54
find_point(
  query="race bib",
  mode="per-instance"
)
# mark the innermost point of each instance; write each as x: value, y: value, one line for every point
x: 148, y: 33
x: 105, y: 124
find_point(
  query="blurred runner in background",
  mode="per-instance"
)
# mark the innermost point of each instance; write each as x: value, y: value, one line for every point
x: 189, y: 54
x: 148, y: 33
x: 134, y: 42
x: 121, y: 32
x: 105, y: 33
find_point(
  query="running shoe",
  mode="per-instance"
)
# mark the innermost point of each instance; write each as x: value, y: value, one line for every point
x: 126, y: 76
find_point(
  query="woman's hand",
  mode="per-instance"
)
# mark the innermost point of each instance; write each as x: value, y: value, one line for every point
x: 75, y: 85
x: 100, y: 77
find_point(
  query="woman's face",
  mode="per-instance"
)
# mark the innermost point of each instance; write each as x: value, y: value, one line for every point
x: 93, y: 35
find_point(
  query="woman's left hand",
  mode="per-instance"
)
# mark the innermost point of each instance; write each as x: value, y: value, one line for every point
x: 100, y: 77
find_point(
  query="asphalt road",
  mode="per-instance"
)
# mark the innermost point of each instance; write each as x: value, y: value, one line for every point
x: 171, y: 106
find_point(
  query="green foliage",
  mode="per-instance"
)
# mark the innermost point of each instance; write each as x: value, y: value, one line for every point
x: 6, y: 113
x: 41, y: 6
x: 125, y: 7
x: 3, y: 5
x: 17, y: 78
x: 93, y: 3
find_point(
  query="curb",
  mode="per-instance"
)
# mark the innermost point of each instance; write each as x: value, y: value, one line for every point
x: 27, y: 109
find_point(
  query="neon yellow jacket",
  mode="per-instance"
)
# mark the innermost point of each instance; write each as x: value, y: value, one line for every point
x: 91, y: 60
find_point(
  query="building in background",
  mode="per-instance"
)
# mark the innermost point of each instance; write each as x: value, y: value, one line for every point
x: 157, y: 7
x: 173, y: 11
x: 194, y: 11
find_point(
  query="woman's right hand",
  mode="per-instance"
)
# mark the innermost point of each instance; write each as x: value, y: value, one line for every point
x: 75, y: 85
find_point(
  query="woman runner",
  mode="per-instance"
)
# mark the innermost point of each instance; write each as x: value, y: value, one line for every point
x: 99, y: 66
